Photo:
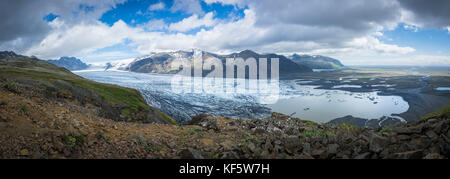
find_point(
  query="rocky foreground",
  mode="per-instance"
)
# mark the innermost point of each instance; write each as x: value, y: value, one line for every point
x: 37, y: 128
x: 48, y: 112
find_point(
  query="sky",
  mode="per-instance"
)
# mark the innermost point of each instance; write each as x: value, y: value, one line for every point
x: 357, y: 32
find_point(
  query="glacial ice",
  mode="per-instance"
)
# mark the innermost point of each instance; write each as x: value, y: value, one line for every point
x: 244, y: 101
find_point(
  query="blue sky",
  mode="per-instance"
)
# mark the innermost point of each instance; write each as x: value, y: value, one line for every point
x: 372, y: 32
x: 129, y: 12
x: 432, y: 41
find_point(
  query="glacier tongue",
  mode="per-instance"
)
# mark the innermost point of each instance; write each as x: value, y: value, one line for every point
x: 157, y: 91
x: 118, y: 65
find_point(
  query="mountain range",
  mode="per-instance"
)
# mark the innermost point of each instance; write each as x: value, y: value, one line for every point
x: 70, y: 63
x: 317, y: 61
x: 160, y: 62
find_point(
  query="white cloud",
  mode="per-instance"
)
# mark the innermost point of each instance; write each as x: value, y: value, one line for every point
x: 152, y: 25
x: 79, y: 39
x: 239, y: 3
x: 187, y: 6
x: 157, y: 6
x: 193, y: 22
x: 426, y: 14
x: 353, y: 43
x: 378, y: 34
x: 411, y: 28
x: 373, y: 44
x: 23, y: 24
x: 224, y: 37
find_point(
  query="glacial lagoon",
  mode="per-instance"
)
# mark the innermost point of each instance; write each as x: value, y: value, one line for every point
x: 443, y: 88
x: 291, y: 98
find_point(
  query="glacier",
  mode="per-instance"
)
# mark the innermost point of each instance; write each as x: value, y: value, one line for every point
x: 291, y: 98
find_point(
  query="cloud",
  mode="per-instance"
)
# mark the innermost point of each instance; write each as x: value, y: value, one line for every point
x: 23, y: 23
x: 223, y: 37
x: 411, y: 28
x: 342, y: 28
x: 373, y: 44
x: 428, y: 14
x: 239, y: 3
x: 154, y: 25
x: 157, y: 6
x: 193, y: 22
x: 359, y: 16
x: 79, y: 39
x: 187, y: 6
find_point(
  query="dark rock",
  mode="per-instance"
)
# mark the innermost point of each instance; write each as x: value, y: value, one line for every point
x: 360, y: 122
x: 307, y: 148
x: 4, y: 119
x: 432, y: 135
x: 204, y: 120
x: 252, y: 148
x: 268, y: 145
x: 417, y: 154
x: 320, y: 153
x: 258, y: 130
x: 400, y: 138
x: 365, y: 155
x: 409, y: 130
x: 332, y: 149
x: 438, y: 126
x: 293, y: 144
x: 190, y: 154
x: 230, y: 155
x: 304, y: 156
x: 420, y: 143
x: 433, y: 156
x: 377, y: 143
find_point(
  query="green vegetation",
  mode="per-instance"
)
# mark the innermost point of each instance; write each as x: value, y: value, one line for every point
x: 11, y: 86
x: 308, y: 123
x: 193, y: 131
x: 154, y: 149
x: 71, y: 140
x: 386, y: 129
x: 127, y: 100
x: 213, y: 155
x: 441, y: 111
x: 247, y: 136
x: 108, y: 92
x: 348, y: 127
x: 168, y: 118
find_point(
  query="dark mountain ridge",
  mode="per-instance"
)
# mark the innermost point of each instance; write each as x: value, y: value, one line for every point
x: 70, y: 63
x: 317, y: 61
x: 160, y: 62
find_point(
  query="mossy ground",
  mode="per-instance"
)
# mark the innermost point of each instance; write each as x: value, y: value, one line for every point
x: 441, y: 111
x: 130, y: 100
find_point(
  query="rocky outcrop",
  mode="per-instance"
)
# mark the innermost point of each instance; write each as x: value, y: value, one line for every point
x: 285, y: 137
